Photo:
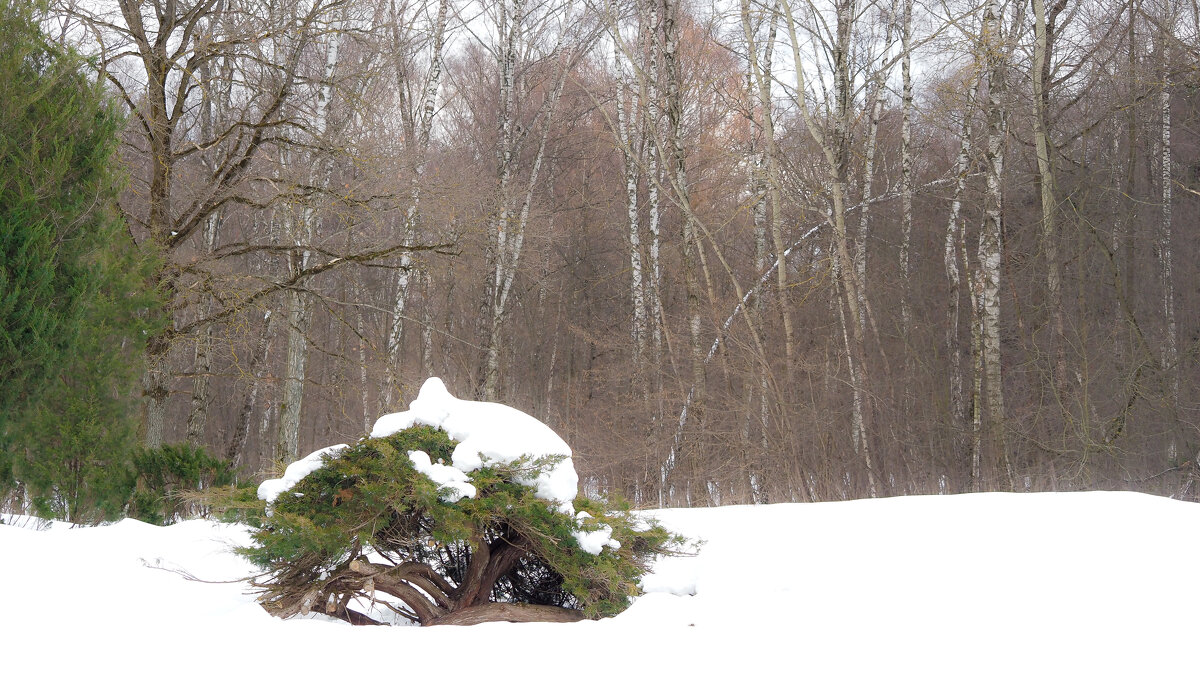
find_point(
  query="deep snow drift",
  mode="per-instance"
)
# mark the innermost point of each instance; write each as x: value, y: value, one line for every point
x: 1050, y: 583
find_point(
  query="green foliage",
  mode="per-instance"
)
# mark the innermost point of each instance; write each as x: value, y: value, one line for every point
x: 234, y: 504
x: 77, y: 466
x: 74, y: 290
x: 370, y: 498
x: 167, y: 475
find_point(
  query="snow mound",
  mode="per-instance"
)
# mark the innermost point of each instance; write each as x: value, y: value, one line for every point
x: 488, y: 433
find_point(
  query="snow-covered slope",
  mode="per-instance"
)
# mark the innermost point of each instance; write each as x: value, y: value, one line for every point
x: 1053, y: 583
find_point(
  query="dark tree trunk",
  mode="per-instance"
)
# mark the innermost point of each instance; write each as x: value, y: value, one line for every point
x: 504, y: 611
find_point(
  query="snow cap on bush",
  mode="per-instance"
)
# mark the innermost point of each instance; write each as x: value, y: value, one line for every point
x: 269, y: 490
x: 490, y: 433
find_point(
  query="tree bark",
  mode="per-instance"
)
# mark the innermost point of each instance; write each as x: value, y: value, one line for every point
x: 1042, y: 53
x: 173, y: 46
x: 760, y: 77
x: 510, y: 239
x: 906, y: 205
x: 1170, y: 351
x: 874, y: 105
x: 679, y: 179
x: 299, y: 304
x: 834, y: 142
x: 210, y: 108
x: 626, y: 137
x: 235, y: 452
x: 418, y: 129
x: 503, y: 611
x: 991, y: 237
x: 953, y: 248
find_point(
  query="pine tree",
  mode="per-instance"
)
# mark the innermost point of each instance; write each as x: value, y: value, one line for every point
x: 500, y: 554
x: 73, y: 288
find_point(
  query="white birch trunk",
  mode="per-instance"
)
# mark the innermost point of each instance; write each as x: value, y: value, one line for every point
x: 639, y: 328
x: 875, y: 105
x: 653, y: 215
x: 427, y: 328
x: 990, y: 238
x: 953, y: 245
x: 198, y: 415
x: 679, y: 178
x: 1170, y: 351
x: 691, y: 249
x: 835, y: 145
x: 864, y: 222
x: 299, y: 304
x: 977, y: 405
x: 508, y: 28
x: 647, y: 48
x: 906, y: 200
x: 760, y: 75
x: 509, y: 245
x: 850, y: 284
x: 418, y: 135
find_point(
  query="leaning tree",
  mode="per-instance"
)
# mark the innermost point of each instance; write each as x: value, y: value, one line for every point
x: 455, y: 512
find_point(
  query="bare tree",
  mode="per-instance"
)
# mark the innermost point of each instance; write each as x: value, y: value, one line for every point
x: 417, y: 127
x: 834, y: 139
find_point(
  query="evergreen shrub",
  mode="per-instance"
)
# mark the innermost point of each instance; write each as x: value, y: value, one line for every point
x: 367, y: 530
x: 167, y: 477
x: 75, y: 290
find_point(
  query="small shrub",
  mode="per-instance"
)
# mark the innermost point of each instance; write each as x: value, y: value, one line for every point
x: 368, y: 528
x: 165, y: 478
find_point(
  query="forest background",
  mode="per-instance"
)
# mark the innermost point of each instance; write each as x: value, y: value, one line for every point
x: 741, y: 252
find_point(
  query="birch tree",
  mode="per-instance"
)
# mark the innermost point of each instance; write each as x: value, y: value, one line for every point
x: 990, y: 237
x: 1042, y: 67
x: 954, y: 251
x: 517, y: 26
x: 417, y: 117
x: 834, y: 140
x: 760, y: 75
x: 672, y: 106
x: 906, y: 191
x: 639, y: 80
x: 874, y: 105
x: 1170, y: 350
x: 301, y: 230
x: 629, y: 137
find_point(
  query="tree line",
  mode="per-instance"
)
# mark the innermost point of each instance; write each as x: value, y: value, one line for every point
x: 760, y: 251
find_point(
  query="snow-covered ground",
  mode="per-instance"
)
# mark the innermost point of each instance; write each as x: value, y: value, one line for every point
x: 1048, y: 583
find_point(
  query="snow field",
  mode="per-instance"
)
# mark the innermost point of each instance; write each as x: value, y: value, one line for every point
x: 987, y: 583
